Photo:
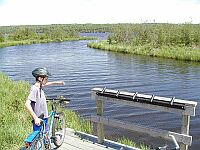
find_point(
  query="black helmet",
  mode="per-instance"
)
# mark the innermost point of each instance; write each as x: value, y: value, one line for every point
x: 40, y: 72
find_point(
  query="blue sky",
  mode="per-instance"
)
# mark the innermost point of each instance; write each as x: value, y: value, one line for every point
x: 2, y: 1
x: 35, y: 12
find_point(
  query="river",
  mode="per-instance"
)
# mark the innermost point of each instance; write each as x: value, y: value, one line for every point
x: 84, y: 68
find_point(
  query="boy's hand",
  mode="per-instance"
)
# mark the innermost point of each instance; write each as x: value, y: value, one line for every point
x: 54, y: 83
x: 62, y: 83
x: 37, y: 121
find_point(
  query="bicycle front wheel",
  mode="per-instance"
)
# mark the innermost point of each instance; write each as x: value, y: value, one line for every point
x: 37, y: 145
x: 58, y: 129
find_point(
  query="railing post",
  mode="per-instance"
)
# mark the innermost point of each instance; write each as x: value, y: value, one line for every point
x: 100, y: 127
x: 185, y: 129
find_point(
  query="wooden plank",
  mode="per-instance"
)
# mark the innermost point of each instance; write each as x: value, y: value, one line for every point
x: 99, y: 105
x: 185, y: 129
x: 74, y: 142
x: 189, y: 106
x: 82, y: 141
x: 186, y: 139
x: 100, y: 127
x: 107, y: 143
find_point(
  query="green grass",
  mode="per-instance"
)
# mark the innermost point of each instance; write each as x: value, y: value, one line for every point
x: 74, y: 121
x: 128, y: 142
x: 15, y: 121
x: 174, y: 52
x: 23, y: 42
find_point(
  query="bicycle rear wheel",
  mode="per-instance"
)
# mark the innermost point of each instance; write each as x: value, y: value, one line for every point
x: 58, y: 129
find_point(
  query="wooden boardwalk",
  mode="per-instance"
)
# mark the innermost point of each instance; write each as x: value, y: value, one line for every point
x: 82, y: 141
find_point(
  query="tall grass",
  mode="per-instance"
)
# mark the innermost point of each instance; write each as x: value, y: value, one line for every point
x: 174, y: 52
x: 128, y: 142
x: 23, y: 42
x: 15, y: 121
x: 74, y: 121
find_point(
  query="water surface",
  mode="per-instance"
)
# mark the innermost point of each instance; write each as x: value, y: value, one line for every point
x: 84, y: 68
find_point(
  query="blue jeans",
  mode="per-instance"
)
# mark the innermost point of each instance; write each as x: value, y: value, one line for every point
x: 36, y: 128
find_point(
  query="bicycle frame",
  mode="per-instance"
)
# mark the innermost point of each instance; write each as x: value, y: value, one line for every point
x: 52, y: 115
x: 40, y: 133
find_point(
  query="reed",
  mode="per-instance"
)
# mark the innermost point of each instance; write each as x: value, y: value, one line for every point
x: 23, y: 42
x: 174, y: 52
x: 74, y: 121
x: 129, y: 142
x: 15, y: 121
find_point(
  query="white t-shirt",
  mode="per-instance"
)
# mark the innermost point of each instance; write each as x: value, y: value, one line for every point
x: 40, y: 102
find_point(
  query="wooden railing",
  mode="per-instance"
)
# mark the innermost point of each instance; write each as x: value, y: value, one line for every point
x: 172, y: 105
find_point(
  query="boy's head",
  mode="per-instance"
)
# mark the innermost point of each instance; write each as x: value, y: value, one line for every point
x: 40, y: 74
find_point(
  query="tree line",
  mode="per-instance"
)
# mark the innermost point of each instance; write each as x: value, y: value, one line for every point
x: 156, y: 35
x: 129, y: 34
x: 20, y: 33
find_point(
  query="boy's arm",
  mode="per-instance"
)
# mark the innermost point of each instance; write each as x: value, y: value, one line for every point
x: 30, y: 110
x: 54, y: 83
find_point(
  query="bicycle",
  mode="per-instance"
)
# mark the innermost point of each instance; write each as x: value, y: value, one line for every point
x: 40, y: 139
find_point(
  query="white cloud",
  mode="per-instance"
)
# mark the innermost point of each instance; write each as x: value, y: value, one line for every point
x: 20, y: 12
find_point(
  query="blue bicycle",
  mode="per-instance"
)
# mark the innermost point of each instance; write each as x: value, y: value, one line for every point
x: 40, y: 139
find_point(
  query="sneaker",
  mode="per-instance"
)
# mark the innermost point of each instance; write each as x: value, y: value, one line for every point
x: 27, y: 145
x: 47, y: 146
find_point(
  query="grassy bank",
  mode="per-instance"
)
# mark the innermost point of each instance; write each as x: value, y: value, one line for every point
x: 174, y: 52
x: 15, y: 122
x: 23, y: 42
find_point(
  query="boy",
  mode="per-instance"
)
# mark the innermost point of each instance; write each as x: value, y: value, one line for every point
x: 36, y: 101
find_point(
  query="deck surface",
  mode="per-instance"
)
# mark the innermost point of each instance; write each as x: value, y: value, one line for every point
x: 82, y: 141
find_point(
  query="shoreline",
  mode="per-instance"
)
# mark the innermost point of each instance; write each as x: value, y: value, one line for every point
x: 24, y: 42
x: 173, y: 52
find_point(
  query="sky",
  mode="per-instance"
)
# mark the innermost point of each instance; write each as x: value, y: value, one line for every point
x: 43, y: 12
